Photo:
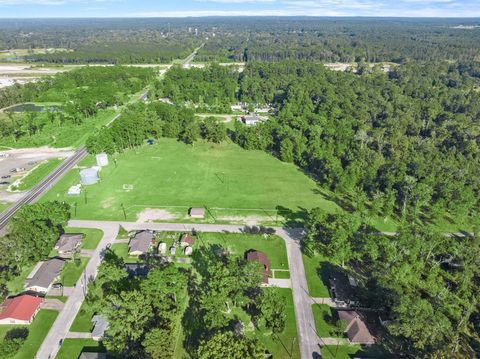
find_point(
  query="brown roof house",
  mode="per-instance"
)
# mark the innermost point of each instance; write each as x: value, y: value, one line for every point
x: 356, y: 330
x: 187, y: 240
x: 140, y: 243
x: 196, y: 212
x: 260, y: 257
x: 68, y: 244
x: 43, y: 276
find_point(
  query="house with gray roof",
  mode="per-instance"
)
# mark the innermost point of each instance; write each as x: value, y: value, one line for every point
x: 87, y: 355
x: 68, y: 244
x: 140, y: 243
x: 100, y: 325
x: 46, y: 274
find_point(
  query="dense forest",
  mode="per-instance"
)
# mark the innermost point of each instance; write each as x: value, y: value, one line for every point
x: 245, y: 39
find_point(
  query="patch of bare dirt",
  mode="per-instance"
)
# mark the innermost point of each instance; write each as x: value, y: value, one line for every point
x: 153, y: 214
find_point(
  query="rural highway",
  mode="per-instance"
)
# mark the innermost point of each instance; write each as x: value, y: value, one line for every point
x: 34, y: 194
x: 307, y: 338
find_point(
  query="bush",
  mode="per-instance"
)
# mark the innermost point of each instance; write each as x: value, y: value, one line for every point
x: 12, y: 342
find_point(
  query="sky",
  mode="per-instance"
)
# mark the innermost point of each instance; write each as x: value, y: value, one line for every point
x: 185, y: 8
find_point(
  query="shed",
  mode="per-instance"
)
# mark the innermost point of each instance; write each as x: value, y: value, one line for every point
x: 260, y: 257
x: 102, y: 159
x: 140, y: 243
x: 43, y: 278
x: 100, y: 324
x: 20, y: 310
x: 188, y: 250
x: 196, y: 212
x: 187, y: 240
x: 356, y: 330
x: 68, y: 243
x: 162, y: 248
x: 172, y: 250
x: 89, y: 176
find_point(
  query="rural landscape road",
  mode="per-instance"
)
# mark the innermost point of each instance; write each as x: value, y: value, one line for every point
x: 307, y: 338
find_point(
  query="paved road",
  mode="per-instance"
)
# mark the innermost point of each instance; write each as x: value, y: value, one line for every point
x: 34, y: 194
x: 307, y: 338
x: 62, y: 324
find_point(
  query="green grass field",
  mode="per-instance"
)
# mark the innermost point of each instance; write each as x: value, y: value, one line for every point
x: 324, y: 321
x: 82, y: 322
x: 173, y: 176
x: 16, y: 284
x: 72, y: 271
x: 316, y: 271
x: 38, y: 330
x: 37, y: 174
x: 72, y: 348
x: 4, y: 206
x: 238, y: 244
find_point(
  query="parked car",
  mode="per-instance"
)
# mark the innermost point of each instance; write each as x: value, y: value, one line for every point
x: 4, y: 183
x: 6, y: 176
x: 31, y: 163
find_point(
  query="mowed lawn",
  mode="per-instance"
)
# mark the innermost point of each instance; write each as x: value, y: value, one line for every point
x: 176, y: 176
x: 38, y: 330
x: 72, y: 348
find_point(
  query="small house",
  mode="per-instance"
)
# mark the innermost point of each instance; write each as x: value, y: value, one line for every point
x: 172, y: 250
x: 20, y: 310
x: 251, y: 120
x: 196, y: 212
x: 260, y: 257
x: 357, y: 331
x: 341, y: 289
x: 140, y: 243
x: 45, y: 274
x: 187, y: 240
x: 100, y: 325
x: 68, y: 244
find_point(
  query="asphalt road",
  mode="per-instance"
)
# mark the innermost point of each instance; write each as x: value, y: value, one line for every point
x: 34, y: 194
x: 62, y: 324
x: 307, y: 338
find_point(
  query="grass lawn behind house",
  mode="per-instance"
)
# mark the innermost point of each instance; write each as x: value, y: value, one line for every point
x: 72, y: 270
x: 83, y: 320
x: 38, y: 330
x: 317, y: 271
x: 239, y: 243
x: 92, y: 236
x: 72, y: 348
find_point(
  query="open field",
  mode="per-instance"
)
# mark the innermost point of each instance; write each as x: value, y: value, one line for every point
x: 38, y: 330
x: 173, y: 176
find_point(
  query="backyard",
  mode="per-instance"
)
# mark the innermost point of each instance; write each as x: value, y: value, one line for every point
x: 72, y: 348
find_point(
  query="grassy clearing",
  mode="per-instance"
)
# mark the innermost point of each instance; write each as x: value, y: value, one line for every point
x: 37, y: 174
x: 72, y: 348
x: 60, y: 298
x: 121, y: 250
x: 171, y: 174
x: 285, y: 344
x: 317, y: 271
x: 83, y: 320
x: 324, y: 321
x: 238, y: 244
x: 282, y: 275
x: 72, y: 270
x: 38, y: 330
x: 92, y: 236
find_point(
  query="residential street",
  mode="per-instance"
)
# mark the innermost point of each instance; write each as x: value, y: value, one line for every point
x: 303, y: 311
x: 61, y: 326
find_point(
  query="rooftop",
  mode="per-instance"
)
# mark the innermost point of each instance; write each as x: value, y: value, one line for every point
x: 141, y: 242
x: 46, y: 273
x: 22, y: 307
x: 68, y: 242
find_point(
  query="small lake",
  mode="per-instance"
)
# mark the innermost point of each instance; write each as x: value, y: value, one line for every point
x: 31, y: 107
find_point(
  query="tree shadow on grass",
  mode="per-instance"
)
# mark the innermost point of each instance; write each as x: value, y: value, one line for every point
x: 293, y: 219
